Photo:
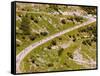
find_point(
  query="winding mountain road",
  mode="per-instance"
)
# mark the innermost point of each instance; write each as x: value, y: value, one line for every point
x: 28, y: 49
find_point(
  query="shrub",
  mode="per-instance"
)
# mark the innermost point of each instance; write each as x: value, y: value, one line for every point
x: 60, y: 51
x: 44, y: 33
x: 63, y: 21
x: 70, y: 55
x: 53, y: 42
x: 36, y: 21
x: 32, y: 37
x: 50, y: 65
x: 79, y: 19
x: 49, y: 47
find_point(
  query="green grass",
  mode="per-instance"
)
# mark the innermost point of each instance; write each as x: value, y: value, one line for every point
x: 40, y: 25
x: 50, y: 56
x: 41, y: 19
x: 44, y: 58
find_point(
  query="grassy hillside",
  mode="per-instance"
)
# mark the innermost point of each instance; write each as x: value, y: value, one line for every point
x: 71, y: 51
x: 64, y: 53
x: 32, y: 26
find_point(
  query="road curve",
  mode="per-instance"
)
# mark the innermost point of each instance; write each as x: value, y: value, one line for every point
x: 27, y: 50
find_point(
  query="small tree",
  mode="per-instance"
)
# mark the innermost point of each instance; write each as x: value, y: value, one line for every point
x: 60, y: 51
x: 25, y: 26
